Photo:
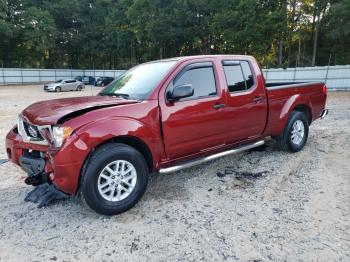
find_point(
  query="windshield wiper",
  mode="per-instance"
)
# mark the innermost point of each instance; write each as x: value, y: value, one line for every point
x: 125, y: 96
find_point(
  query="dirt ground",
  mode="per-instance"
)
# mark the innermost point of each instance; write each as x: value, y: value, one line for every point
x: 262, y: 205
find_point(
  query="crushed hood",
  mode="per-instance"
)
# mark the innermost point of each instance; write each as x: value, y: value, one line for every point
x: 51, y: 111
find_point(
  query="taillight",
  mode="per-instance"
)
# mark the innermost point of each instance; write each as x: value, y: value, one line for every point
x: 324, y: 89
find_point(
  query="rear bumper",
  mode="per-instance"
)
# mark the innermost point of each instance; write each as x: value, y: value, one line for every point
x: 61, y: 167
x: 324, y: 113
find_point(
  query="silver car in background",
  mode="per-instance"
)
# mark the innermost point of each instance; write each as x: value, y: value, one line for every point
x: 64, y: 85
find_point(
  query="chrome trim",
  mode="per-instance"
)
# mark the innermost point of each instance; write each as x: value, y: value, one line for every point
x: 209, y: 158
x: 324, y: 113
x: 26, y: 138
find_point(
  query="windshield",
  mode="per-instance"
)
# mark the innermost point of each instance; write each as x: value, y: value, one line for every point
x: 139, y: 81
x: 58, y: 81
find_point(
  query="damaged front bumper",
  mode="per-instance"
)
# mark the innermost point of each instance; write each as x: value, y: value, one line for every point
x: 44, y: 192
x: 60, y: 170
x: 34, y: 166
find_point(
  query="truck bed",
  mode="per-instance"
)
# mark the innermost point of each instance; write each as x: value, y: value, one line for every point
x: 281, y: 95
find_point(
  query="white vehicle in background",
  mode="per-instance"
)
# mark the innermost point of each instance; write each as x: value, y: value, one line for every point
x: 64, y: 85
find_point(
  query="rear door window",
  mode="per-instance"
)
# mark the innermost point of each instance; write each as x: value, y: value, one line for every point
x: 247, y: 73
x: 239, y: 76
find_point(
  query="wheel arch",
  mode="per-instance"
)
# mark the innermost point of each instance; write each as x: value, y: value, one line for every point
x: 296, y: 102
x: 304, y: 109
x: 132, y: 141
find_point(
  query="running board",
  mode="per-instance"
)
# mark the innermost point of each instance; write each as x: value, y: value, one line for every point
x: 202, y: 160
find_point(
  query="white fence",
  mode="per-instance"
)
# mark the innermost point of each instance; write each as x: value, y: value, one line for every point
x: 28, y: 76
x: 335, y: 77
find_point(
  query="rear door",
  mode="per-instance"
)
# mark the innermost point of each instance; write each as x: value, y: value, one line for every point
x: 69, y: 84
x: 196, y: 123
x: 246, y: 108
x: 74, y: 84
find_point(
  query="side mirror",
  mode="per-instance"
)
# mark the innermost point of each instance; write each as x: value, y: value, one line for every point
x: 181, y: 91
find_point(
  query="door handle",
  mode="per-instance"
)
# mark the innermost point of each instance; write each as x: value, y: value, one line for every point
x: 258, y: 99
x: 218, y: 106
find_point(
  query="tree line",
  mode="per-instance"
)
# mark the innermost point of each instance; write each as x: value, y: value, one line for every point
x: 116, y: 34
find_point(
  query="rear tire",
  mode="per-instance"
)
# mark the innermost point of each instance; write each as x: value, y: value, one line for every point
x: 295, y: 133
x: 58, y: 89
x: 115, y: 178
x: 79, y: 88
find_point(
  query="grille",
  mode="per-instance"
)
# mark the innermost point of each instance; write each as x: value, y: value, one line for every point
x: 31, y: 133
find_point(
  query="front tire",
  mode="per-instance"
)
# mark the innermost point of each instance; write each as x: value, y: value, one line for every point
x: 58, y: 89
x: 295, y: 133
x: 115, y: 178
x: 79, y: 88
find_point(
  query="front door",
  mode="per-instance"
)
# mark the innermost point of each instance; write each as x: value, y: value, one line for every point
x: 195, y: 123
x: 66, y: 85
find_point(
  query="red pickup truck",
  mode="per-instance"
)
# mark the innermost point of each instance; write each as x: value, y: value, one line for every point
x: 160, y: 116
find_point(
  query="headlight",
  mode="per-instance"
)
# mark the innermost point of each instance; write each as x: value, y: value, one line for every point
x: 60, y: 133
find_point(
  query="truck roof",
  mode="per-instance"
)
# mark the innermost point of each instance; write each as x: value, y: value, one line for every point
x: 185, y: 58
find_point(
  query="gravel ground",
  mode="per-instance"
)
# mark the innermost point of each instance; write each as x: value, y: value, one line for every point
x: 262, y: 205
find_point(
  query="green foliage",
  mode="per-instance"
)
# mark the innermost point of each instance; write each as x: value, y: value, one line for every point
x: 38, y: 33
x: 339, y: 31
x: 121, y: 33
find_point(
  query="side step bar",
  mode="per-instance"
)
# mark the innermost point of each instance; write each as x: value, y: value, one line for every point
x: 202, y: 160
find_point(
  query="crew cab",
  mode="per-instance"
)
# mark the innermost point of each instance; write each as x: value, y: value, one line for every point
x: 161, y: 116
